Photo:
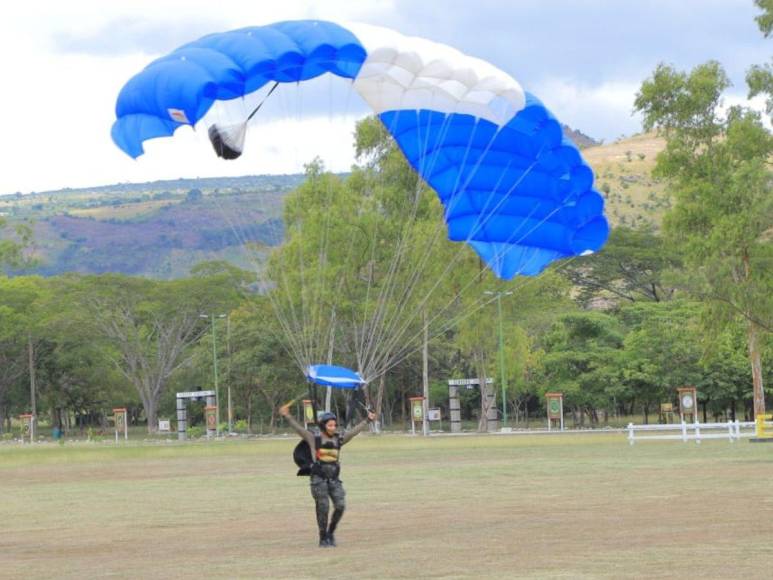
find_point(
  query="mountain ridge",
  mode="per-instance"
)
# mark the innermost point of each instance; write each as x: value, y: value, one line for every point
x: 163, y: 228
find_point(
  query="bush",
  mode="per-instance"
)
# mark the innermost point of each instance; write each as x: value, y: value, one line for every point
x: 195, y: 432
x: 241, y: 426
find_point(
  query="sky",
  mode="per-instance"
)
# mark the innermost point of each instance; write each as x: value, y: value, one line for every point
x: 64, y: 64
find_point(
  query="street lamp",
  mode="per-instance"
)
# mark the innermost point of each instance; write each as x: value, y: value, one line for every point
x: 212, y: 317
x: 501, y: 351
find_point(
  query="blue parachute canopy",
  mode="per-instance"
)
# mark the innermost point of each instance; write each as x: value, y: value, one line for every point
x: 513, y: 187
x: 333, y: 376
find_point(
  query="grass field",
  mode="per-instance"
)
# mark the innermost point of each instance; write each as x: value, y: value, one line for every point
x: 555, y: 506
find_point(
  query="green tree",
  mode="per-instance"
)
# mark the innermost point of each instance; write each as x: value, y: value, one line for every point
x: 14, y: 245
x: 630, y: 268
x: 74, y: 377
x: 660, y: 352
x: 759, y: 78
x: 725, y: 372
x: 718, y: 167
x: 151, y: 326
x: 360, y: 273
x: 581, y: 361
x: 19, y: 300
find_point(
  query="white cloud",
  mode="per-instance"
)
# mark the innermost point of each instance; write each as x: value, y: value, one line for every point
x: 65, y: 62
x: 602, y: 111
x: 70, y: 60
x: 279, y: 146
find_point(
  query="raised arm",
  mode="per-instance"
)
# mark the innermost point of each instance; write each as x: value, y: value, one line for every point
x: 305, y: 434
x: 357, y: 429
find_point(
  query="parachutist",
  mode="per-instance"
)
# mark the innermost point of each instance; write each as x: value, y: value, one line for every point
x: 326, y: 468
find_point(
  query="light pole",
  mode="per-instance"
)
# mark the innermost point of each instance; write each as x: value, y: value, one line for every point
x: 501, y: 351
x: 214, y: 365
x: 228, y: 350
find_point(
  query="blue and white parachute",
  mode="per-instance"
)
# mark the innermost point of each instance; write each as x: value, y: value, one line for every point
x: 513, y: 187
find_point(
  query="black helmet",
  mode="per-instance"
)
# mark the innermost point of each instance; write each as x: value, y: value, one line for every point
x: 325, y: 417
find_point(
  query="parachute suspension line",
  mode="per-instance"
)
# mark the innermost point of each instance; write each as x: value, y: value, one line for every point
x: 394, y: 339
x: 380, y: 329
x: 386, y: 289
x: 463, y: 316
x: 461, y: 249
x: 366, y: 328
x: 459, y: 317
x: 413, y: 273
x: 287, y: 317
x: 288, y: 341
x: 408, y: 233
x: 321, y: 279
x: 464, y: 313
x: 428, y: 250
x: 472, y: 280
x: 509, y: 241
x: 256, y: 109
x: 304, y: 328
x: 319, y: 330
x: 420, y: 307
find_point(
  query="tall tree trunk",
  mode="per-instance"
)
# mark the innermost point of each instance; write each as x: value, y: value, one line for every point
x: 149, y: 405
x: 754, y: 351
x: 151, y: 413
x: 249, y: 414
x: 425, y: 377
x: 756, y: 361
x: 379, y: 403
x: 31, y: 355
x: 330, y: 347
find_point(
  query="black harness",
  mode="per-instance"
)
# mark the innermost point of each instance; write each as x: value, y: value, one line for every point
x: 326, y: 470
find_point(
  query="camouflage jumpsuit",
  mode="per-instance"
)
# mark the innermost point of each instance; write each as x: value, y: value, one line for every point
x: 325, y: 482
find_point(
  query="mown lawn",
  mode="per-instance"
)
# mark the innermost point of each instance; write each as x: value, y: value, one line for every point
x: 567, y: 506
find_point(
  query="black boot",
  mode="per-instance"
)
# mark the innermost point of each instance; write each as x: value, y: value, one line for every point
x: 337, y: 515
x: 324, y: 542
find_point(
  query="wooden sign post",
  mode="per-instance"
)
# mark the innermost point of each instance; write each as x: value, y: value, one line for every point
x: 555, y: 404
x: 666, y: 412
x: 210, y: 412
x: 121, y: 424
x: 417, y: 412
x: 308, y: 413
x: 688, y: 403
x: 27, y: 426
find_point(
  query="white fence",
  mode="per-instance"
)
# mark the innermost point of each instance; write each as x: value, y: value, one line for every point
x: 732, y: 431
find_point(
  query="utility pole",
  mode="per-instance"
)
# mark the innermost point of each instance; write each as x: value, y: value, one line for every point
x: 330, y: 346
x: 503, y: 375
x: 214, y: 365
x: 228, y: 348
x: 425, y: 378
x: 33, y: 404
